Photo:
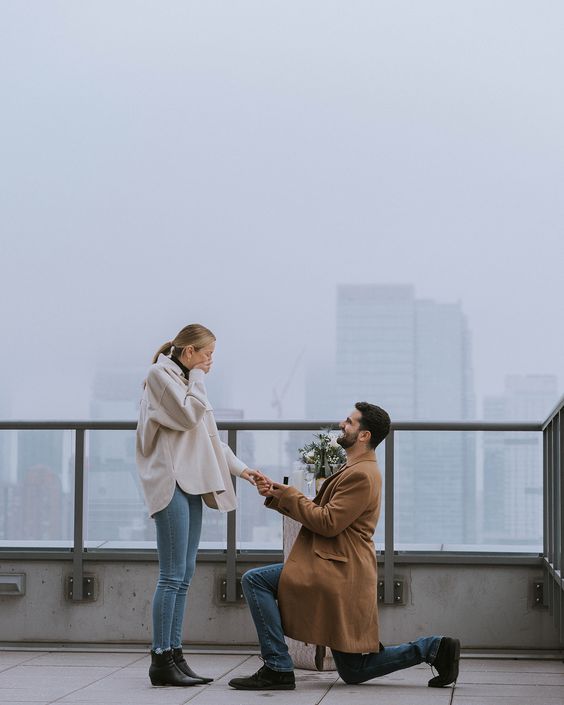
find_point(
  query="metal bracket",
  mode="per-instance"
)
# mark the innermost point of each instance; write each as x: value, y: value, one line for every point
x: 399, y: 591
x: 239, y: 597
x: 538, y: 594
x: 89, y: 588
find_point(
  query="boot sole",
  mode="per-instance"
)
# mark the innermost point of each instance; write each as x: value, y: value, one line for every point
x: 266, y: 687
x: 161, y: 684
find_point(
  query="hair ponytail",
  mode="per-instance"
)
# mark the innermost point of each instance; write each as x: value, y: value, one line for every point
x: 195, y: 334
x: 163, y: 350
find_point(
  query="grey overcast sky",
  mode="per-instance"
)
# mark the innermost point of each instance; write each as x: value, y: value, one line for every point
x: 230, y: 162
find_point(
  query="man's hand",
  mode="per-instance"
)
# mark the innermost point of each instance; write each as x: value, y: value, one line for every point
x: 274, y: 490
x: 269, y: 488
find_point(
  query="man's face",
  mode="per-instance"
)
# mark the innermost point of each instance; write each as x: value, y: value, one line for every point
x: 350, y: 428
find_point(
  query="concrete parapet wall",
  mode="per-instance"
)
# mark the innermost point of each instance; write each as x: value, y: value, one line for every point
x: 487, y: 607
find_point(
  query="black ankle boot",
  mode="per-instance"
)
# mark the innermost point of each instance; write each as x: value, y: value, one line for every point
x: 163, y: 671
x: 446, y: 663
x: 180, y: 661
x: 265, y: 679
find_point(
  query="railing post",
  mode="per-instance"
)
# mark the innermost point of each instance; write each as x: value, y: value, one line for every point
x: 561, y: 514
x: 231, y: 567
x: 389, y: 521
x: 78, y: 544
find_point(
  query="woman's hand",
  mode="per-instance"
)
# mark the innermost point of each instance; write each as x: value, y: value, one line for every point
x: 251, y: 476
x: 268, y: 488
x: 204, y: 365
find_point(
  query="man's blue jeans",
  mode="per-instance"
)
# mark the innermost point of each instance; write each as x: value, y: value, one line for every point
x: 179, y: 526
x: 260, y: 586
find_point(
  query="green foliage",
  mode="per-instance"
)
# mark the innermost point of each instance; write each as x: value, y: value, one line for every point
x: 324, y: 453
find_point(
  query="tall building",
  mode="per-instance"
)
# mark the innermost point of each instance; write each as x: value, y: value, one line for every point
x: 512, y: 483
x: 115, y: 508
x: 413, y: 358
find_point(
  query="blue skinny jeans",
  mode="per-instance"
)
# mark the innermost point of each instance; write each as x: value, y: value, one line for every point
x: 260, y: 587
x: 179, y: 526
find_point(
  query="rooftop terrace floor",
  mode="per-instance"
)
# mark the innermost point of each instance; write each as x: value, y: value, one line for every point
x: 102, y: 677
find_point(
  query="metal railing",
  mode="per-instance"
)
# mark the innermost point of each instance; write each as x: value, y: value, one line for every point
x: 553, y: 511
x: 552, y: 429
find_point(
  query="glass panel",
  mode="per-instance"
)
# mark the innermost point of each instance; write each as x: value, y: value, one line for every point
x: 259, y: 528
x: 36, y: 488
x: 511, y: 485
x: 116, y: 515
x: 380, y: 527
x: 467, y: 491
x: 116, y: 512
x: 435, y: 490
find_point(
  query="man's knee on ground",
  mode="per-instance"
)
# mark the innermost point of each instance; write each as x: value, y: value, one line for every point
x: 351, y: 678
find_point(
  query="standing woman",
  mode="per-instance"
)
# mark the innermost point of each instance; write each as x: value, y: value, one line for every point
x: 181, y: 461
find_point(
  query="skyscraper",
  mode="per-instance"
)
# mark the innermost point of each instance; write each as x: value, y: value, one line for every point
x: 513, y: 480
x: 413, y: 358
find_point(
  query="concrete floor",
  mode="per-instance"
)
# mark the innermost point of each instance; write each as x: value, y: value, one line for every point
x: 103, y: 677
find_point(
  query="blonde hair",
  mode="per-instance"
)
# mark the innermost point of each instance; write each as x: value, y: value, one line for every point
x: 195, y: 334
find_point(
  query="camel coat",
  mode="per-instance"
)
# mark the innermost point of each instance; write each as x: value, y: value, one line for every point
x: 178, y: 441
x: 327, y: 591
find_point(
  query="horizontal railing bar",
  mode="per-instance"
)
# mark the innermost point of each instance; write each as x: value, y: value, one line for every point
x: 559, y: 406
x: 524, y: 426
x: 446, y: 558
x: 554, y: 573
x: 68, y: 425
x: 274, y: 556
x: 241, y: 425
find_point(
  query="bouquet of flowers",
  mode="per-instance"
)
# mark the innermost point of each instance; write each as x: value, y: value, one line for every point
x: 324, y: 453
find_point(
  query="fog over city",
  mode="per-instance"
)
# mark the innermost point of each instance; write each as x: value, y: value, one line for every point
x: 233, y: 163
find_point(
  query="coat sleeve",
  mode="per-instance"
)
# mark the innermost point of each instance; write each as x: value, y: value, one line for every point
x: 235, y: 465
x: 173, y: 406
x: 348, y: 502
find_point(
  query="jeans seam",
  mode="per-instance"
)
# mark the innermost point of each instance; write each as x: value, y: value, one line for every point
x: 170, y: 526
x: 257, y: 602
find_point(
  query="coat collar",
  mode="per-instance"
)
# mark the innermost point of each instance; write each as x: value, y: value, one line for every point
x: 368, y: 457
x: 170, y: 365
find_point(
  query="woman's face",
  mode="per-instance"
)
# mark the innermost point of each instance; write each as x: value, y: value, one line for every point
x: 192, y: 357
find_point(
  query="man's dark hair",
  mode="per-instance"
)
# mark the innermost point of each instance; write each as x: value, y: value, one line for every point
x: 374, y: 419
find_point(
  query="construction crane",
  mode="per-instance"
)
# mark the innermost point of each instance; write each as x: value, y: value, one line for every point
x: 278, y: 397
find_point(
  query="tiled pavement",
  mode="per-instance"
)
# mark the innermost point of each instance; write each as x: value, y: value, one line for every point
x: 105, y: 677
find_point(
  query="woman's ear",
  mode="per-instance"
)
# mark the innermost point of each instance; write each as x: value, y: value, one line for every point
x: 187, y: 353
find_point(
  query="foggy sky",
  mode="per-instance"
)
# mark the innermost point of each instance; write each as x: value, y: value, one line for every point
x: 232, y: 162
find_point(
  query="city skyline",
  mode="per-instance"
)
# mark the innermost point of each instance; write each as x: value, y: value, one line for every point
x: 298, y: 371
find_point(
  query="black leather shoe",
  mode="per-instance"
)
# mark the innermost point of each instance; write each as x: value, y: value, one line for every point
x: 163, y: 671
x: 446, y: 663
x: 180, y: 661
x: 265, y: 679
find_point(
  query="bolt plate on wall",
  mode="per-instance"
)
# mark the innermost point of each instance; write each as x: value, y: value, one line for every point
x: 89, y: 588
x: 399, y: 591
x: 538, y: 594
x: 239, y: 597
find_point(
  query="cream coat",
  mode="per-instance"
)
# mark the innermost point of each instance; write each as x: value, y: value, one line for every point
x: 327, y: 591
x: 178, y: 441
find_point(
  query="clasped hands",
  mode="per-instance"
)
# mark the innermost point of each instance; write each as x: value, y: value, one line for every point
x: 265, y: 486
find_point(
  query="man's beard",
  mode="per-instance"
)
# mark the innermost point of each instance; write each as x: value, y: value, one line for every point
x: 347, y: 441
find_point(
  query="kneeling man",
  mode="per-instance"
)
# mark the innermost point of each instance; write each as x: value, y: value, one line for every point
x: 325, y: 593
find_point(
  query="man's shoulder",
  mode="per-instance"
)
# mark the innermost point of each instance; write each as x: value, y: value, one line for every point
x: 365, y: 471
